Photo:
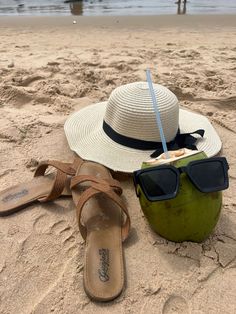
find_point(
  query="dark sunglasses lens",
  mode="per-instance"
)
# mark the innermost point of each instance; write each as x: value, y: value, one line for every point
x: 159, y: 182
x: 209, y: 176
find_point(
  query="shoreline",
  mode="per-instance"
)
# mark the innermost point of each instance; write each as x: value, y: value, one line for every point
x: 136, y: 22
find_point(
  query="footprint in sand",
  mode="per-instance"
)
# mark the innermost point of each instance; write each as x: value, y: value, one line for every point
x: 175, y: 305
x: 43, y: 256
x: 41, y: 262
x: 58, y: 232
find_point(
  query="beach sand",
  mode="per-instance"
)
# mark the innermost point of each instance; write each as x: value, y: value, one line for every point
x: 49, y: 68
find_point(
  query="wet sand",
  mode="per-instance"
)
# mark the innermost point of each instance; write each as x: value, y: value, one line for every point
x: 142, y: 22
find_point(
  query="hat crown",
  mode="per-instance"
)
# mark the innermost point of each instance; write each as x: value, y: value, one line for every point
x: 130, y: 112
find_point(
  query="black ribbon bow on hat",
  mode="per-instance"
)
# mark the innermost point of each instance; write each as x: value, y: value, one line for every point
x: 185, y: 140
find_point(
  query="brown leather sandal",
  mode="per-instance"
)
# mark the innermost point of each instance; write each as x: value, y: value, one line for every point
x: 41, y: 188
x: 99, y: 210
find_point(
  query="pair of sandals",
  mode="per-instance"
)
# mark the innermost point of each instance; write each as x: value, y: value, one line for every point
x: 99, y: 208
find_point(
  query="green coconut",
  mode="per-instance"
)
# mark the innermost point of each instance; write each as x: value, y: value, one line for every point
x: 191, y: 216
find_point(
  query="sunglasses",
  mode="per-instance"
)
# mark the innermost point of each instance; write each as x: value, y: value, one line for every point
x: 163, y: 182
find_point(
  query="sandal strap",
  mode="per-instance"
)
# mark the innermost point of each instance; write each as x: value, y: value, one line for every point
x: 77, y: 163
x: 63, y: 169
x: 114, y: 184
x: 62, y: 166
x: 99, y: 186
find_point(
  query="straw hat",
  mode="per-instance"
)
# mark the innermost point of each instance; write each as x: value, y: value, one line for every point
x: 122, y: 132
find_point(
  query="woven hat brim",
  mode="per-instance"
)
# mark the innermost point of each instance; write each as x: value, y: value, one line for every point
x: 86, y: 137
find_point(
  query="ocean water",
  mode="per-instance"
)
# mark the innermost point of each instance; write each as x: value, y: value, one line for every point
x: 115, y: 7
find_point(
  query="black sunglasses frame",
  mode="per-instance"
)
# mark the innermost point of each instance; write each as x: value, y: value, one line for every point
x: 178, y: 172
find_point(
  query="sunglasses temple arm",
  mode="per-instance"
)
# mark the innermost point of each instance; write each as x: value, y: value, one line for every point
x: 135, y: 185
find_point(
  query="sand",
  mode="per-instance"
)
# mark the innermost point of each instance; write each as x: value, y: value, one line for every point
x: 49, y: 68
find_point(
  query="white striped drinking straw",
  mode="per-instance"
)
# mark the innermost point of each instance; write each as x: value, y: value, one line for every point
x: 158, y: 118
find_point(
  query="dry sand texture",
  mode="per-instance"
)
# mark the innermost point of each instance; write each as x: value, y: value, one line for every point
x: 47, y: 72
